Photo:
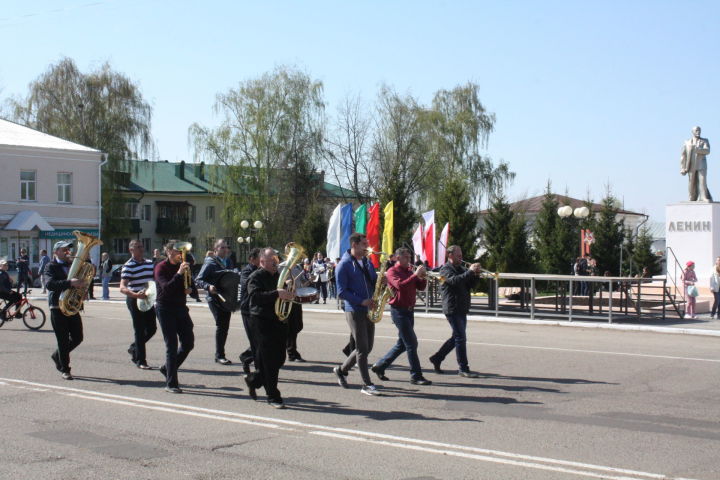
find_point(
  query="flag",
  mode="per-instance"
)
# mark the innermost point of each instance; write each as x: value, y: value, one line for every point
x: 361, y: 219
x: 346, y: 219
x: 388, y: 229
x: 373, y: 232
x: 443, y: 244
x: 429, y: 240
x: 333, y: 235
x: 417, y: 240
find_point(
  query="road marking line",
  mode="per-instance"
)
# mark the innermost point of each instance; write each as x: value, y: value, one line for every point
x: 497, y: 456
x: 533, y: 347
x: 486, y: 458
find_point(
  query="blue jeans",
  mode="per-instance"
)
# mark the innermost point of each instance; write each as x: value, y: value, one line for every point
x: 458, y: 323
x: 106, y: 288
x: 404, y: 320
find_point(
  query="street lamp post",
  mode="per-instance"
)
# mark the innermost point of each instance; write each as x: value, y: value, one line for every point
x: 246, y: 241
x: 585, y: 235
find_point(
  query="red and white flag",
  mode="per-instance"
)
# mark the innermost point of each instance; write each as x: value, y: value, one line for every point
x: 417, y: 240
x: 429, y: 237
x: 443, y: 244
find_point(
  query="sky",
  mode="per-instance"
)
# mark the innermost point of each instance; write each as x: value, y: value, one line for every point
x: 587, y: 95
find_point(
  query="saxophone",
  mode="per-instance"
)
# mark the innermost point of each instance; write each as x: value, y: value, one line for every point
x: 71, y: 301
x: 294, y: 254
x: 383, y: 292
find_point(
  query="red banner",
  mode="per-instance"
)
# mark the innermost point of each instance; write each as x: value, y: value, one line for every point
x: 373, y: 232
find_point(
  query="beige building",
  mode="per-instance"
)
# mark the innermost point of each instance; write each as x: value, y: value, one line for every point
x: 48, y: 188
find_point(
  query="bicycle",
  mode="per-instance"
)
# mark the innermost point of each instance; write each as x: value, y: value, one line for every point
x: 33, y: 317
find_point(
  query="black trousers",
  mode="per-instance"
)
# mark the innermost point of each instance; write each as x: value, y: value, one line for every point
x: 144, y: 326
x: 69, y: 334
x: 24, y: 280
x: 295, y: 326
x: 249, y: 353
x: 175, y: 324
x: 271, y: 336
x: 222, y: 326
x: 322, y: 290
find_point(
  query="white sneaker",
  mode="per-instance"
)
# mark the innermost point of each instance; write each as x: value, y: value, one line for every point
x: 370, y: 390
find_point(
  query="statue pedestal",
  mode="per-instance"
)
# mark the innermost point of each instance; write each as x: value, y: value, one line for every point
x: 692, y: 231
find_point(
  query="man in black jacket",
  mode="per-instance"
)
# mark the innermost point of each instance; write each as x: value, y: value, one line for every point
x: 248, y: 356
x: 6, y: 291
x: 269, y: 332
x: 207, y: 279
x: 459, y: 281
x: 68, y: 329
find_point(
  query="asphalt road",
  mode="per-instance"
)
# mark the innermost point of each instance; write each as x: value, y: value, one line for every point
x: 551, y: 403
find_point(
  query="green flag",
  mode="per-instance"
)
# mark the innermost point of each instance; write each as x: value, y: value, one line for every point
x: 361, y: 219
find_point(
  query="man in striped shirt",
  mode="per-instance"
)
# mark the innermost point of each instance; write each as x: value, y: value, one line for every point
x: 134, y: 278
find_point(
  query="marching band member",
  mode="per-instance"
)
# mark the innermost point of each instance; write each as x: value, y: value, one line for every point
x: 269, y: 332
x: 68, y: 329
x: 456, y: 288
x: 172, y: 313
x: 206, y: 279
x: 405, y: 283
x: 295, y: 320
x: 248, y: 356
x: 134, y: 278
x: 356, y: 279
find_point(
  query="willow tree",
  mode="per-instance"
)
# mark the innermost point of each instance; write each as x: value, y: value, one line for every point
x: 102, y: 109
x: 401, y: 166
x: 267, y: 145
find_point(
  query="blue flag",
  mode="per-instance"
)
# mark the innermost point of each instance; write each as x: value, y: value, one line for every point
x: 346, y: 223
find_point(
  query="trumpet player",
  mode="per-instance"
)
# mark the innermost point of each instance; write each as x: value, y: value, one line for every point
x: 134, y: 278
x: 459, y: 281
x: 356, y: 279
x: 405, y: 283
x: 68, y: 329
x: 172, y: 313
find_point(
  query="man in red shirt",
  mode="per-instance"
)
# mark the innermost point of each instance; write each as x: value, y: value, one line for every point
x: 404, y: 283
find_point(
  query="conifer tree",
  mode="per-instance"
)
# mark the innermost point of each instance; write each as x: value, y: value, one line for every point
x: 609, y: 233
x: 453, y: 204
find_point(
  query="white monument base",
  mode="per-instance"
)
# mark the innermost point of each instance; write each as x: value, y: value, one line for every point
x: 692, y: 231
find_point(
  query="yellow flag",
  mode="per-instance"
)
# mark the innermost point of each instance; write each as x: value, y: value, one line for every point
x: 387, y: 238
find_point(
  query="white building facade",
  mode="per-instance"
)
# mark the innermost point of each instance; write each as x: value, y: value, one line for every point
x: 48, y: 188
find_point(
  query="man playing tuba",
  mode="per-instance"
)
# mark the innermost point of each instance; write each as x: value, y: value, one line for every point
x: 68, y: 328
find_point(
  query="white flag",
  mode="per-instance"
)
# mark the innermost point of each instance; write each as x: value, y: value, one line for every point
x: 429, y: 241
x: 333, y: 235
x: 443, y: 244
x: 418, y: 243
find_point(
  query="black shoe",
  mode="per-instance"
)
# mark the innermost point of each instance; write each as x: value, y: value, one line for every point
x: 296, y: 358
x: 67, y: 376
x: 420, y: 381
x: 173, y: 390
x: 251, y: 389
x: 380, y: 372
x: 468, y: 374
x: 279, y: 404
x: 246, y: 365
x: 223, y: 361
x: 436, y: 366
x: 133, y: 354
x: 56, y: 359
x: 340, y: 377
x: 144, y: 366
x: 163, y: 370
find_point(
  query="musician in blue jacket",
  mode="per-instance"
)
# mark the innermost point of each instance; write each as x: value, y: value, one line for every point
x: 356, y: 279
x: 207, y: 279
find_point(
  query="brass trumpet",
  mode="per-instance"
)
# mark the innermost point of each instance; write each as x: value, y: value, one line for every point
x: 483, y: 271
x: 184, y: 248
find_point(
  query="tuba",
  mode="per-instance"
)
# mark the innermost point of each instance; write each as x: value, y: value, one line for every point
x: 383, y: 292
x: 71, y: 301
x: 294, y: 254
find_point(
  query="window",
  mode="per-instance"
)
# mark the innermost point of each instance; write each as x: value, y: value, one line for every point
x: 191, y: 213
x: 209, y: 243
x: 121, y: 245
x: 131, y: 210
x: 3, y: 247
x: 64, y: 181
x: 27, y: 185
x: 146, y: 209
x: 210, y: 213
x: 146, y: 244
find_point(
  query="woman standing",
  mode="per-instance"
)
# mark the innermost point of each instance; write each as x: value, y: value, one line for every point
x: 689, y: 278
x: 715, y: 288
